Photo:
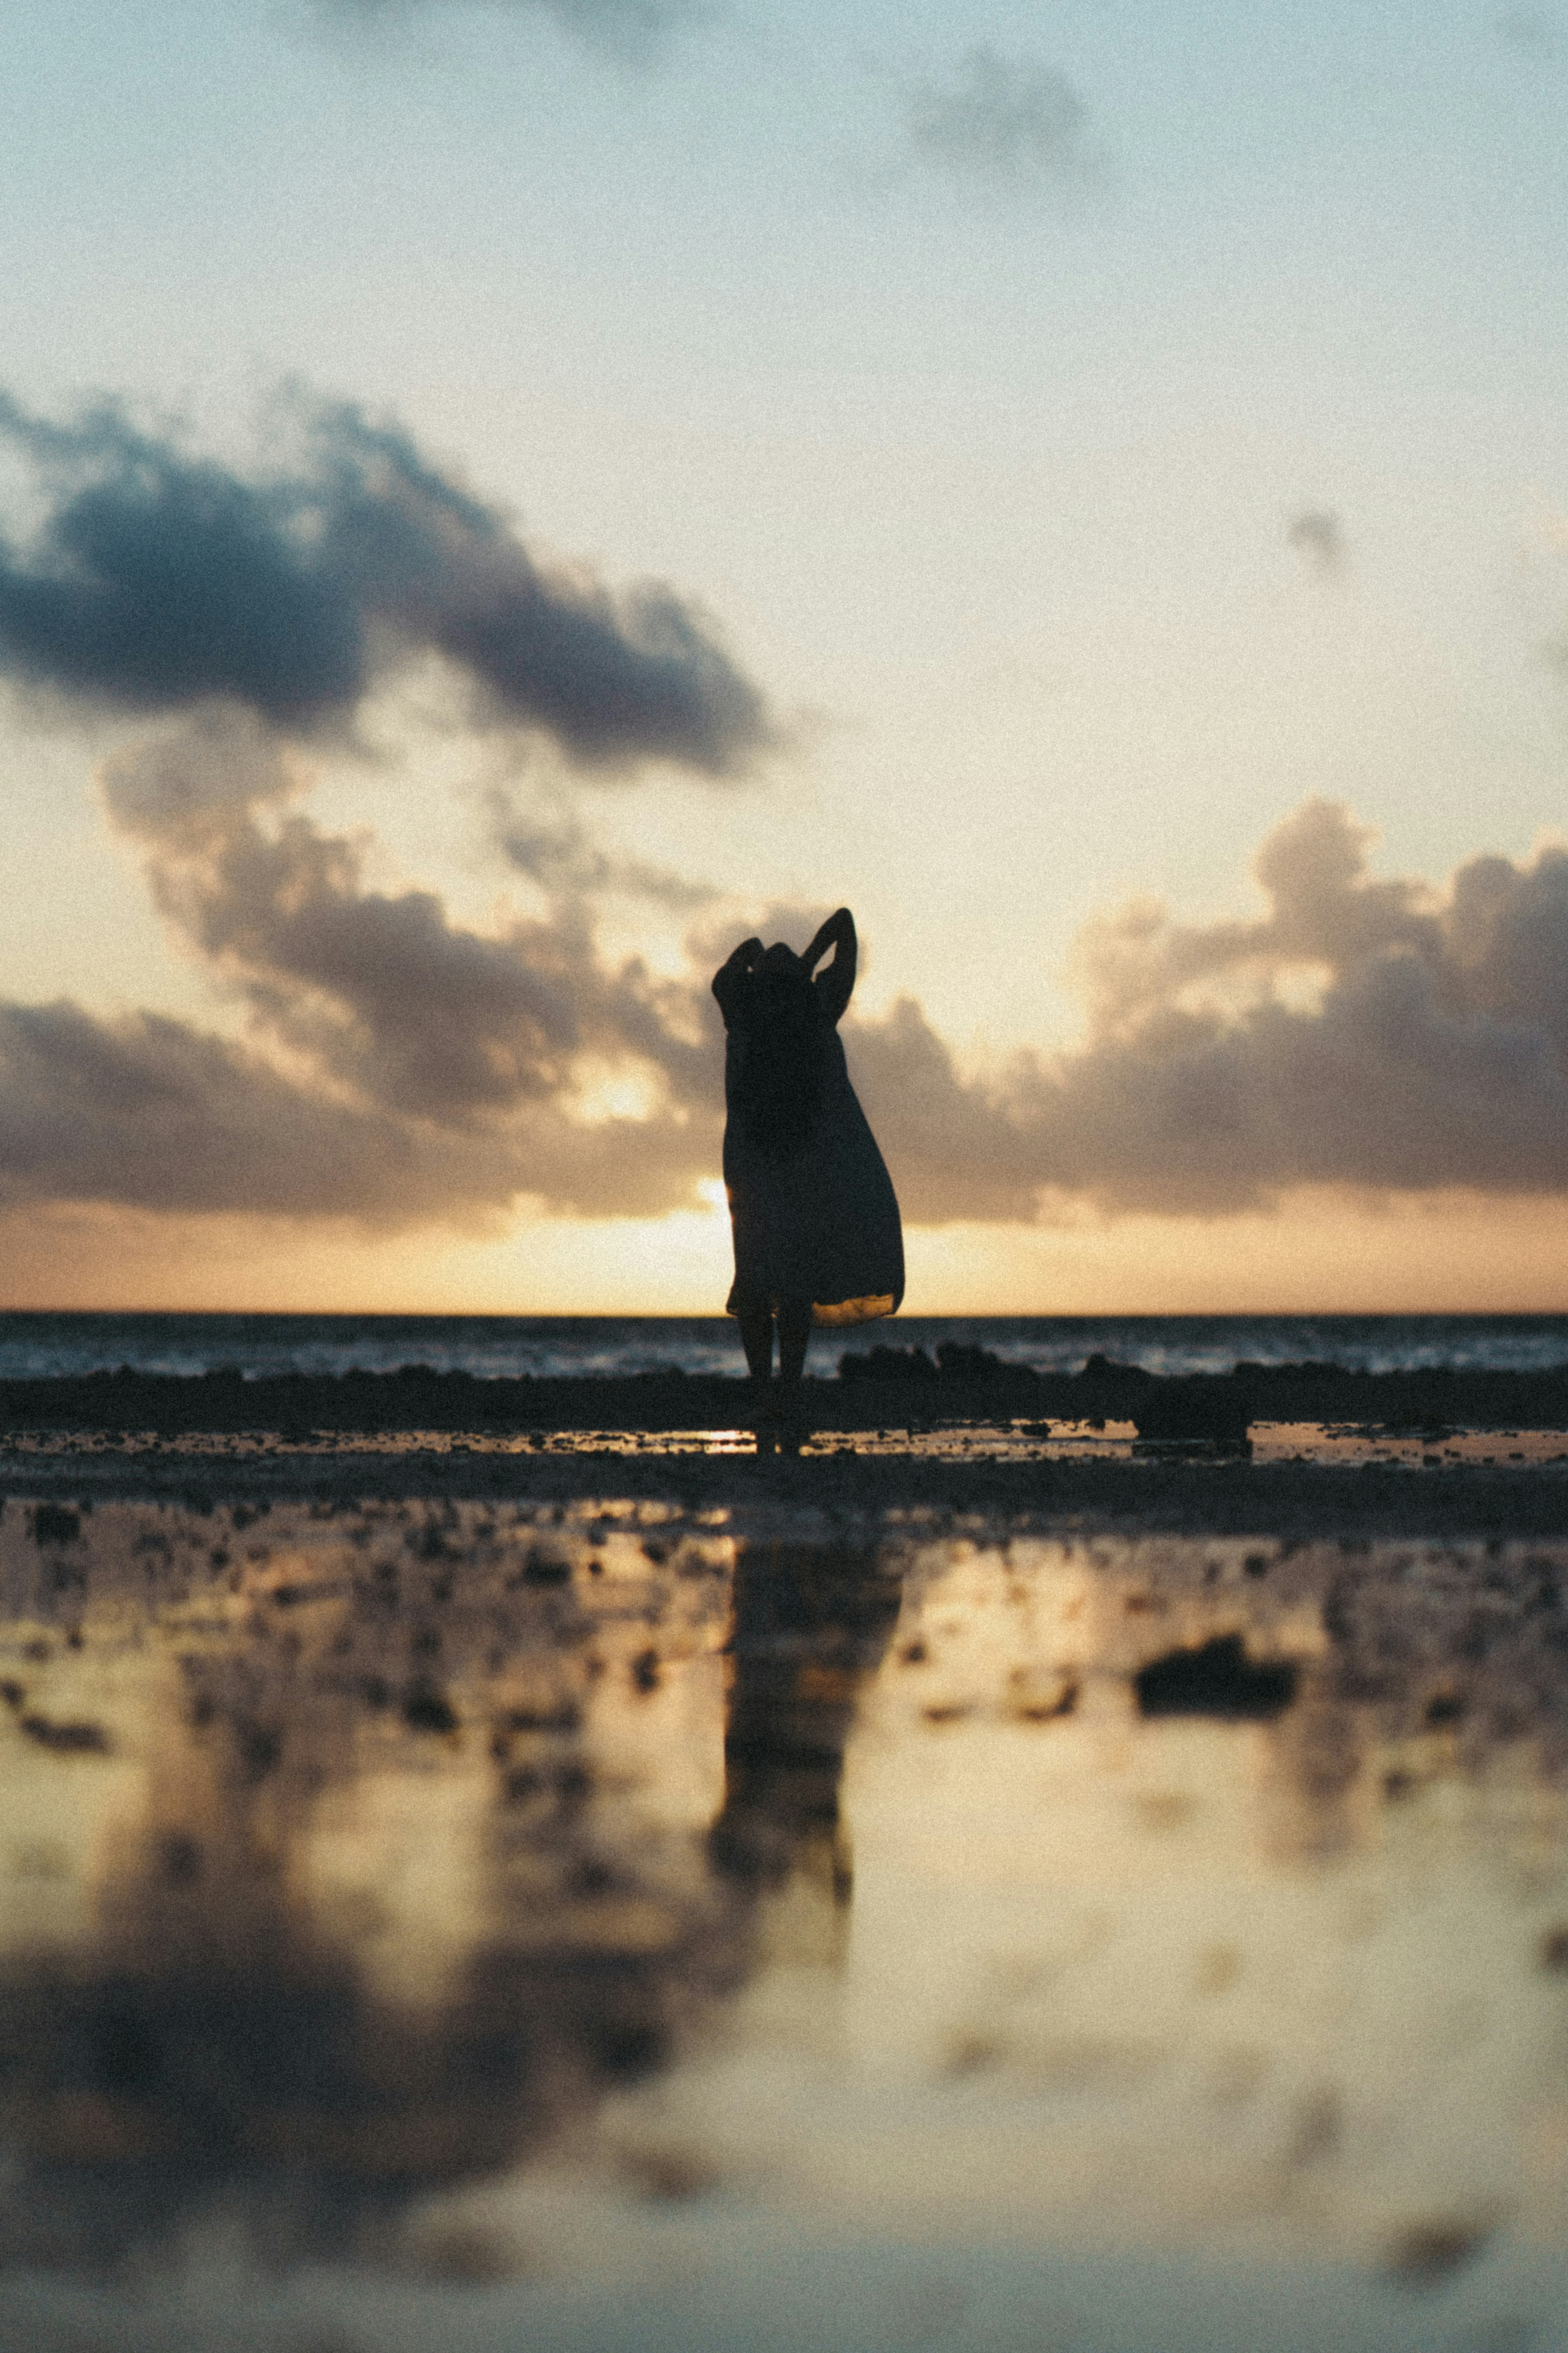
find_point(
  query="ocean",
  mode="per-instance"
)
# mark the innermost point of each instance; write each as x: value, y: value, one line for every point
x: 35, y: 1343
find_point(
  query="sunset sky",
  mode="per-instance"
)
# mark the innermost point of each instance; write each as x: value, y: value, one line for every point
x: 499, y: 501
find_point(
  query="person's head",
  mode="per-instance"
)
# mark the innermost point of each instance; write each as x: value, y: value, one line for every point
x: 780, y: 963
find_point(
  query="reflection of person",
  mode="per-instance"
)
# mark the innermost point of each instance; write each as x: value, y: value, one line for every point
x: 815, y: 1222
x: 811, y: 1625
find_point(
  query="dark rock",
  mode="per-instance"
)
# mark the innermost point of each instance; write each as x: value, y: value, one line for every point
x: 1217, y: 1679
x: 66, y: 1739
x: 1203, y: 1406
x: 542, y: 1568
x: 426, y: 1709
x: 1554, y: 1951
x: 56, y: 1523
x: 1428, y: 2252
x: 182, y: 1859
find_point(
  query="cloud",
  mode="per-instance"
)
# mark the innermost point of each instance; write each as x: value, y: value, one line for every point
x: 634, y: 31
x: 1005, y: 123
x: 1533, y: 32
x: 396, y: 1067
x: 158, y: 581
x: 1381, y: 1035
x: 555, y: 850
x: 1318, y: 536
x: 152, y: 1113
x: 1364, y: 1032
x: 381, y: 991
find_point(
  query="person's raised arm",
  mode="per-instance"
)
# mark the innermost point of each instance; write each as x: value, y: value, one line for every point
x: 835, y: 985
x: 733, y: 974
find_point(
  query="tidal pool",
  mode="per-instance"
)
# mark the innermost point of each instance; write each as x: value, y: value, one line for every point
x: 429, y: 1927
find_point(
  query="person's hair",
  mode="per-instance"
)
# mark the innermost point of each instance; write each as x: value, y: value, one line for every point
x: 780, y: 1072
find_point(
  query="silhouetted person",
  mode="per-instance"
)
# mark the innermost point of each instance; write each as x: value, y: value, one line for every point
x: 815, y: 1219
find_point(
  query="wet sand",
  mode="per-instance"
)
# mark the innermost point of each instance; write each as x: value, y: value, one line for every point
x: 1299, y: 1481
x: 994, y: 1887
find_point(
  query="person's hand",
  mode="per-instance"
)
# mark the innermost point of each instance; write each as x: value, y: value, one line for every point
x: 834, y: 932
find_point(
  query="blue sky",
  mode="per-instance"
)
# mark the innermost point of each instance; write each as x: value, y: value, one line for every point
x: 981, y: 446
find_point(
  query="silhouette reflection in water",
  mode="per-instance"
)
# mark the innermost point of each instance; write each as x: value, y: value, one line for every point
x: 810, y: 1627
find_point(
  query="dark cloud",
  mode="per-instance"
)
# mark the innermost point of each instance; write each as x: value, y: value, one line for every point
x: 1318, y: 536
x: 157, y: 581
x: 634, y: 31
x: 1005, y: 122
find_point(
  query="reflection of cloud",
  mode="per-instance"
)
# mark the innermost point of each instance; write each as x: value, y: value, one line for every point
x: 1000, y: 121
x: 1318, y: 536
x: 634, y: 31
x: 158, y: 580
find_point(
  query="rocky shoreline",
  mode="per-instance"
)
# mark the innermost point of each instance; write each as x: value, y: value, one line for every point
x: 883, y: 1389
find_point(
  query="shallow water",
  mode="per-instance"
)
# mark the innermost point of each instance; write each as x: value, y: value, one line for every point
x: 450, y: 1926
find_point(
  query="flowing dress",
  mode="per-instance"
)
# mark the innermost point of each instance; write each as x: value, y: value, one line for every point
x: 820, y: 1222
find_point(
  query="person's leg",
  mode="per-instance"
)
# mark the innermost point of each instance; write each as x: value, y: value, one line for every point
x: 757, y: 1339
x: 795, y: 1331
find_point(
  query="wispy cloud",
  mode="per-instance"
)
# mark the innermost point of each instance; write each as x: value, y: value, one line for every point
x: 158, y: 580
x: 1011, y: 125
x: 1531, y: 31
x: 553, y: 847
x: 635, y: 32
x: 1318, y: 537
